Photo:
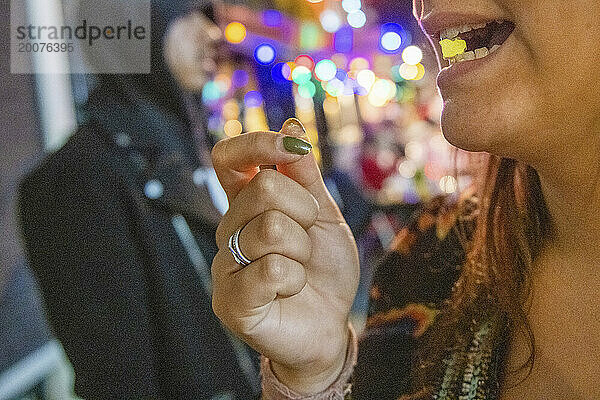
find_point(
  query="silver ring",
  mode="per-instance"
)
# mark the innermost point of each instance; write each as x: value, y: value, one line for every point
x: 234, y: 247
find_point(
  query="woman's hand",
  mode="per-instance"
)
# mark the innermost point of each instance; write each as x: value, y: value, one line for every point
x: 292, y: 302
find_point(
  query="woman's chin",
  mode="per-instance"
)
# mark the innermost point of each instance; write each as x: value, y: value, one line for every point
x: 465, y: 135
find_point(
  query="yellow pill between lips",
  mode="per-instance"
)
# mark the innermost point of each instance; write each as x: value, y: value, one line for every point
x: 452, y: 48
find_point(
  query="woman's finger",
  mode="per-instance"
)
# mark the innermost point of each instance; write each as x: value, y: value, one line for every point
x: 254, y: 286
x: 268, y: 190
x: 236, y: 160
x: 273, y: 232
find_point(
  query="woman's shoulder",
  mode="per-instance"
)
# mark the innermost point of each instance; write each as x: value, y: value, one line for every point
x: 423, y: 263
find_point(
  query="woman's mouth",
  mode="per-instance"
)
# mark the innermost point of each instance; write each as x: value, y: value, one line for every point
x: 471, y: 42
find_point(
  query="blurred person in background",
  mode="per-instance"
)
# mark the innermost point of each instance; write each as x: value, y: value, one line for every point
x: 119, y: 226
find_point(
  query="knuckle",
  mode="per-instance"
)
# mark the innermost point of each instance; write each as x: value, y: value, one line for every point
x: 272, y: 227
x: 218, y: 153
x: 266, y: 184
x: 273, y: 268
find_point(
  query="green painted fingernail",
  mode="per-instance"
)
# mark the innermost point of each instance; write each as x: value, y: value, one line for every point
x: 296, y: 145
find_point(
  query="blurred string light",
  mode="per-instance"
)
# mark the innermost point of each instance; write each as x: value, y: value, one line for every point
x: 412, y: 55
x: 310, y: 36
x: 239, y: 78
x: 314, y: 1
x: 407, y: 169
x: 357, y: 19
x: 211, y: 92
x: 265, y: 54
x: 223, y: 81
x: 281, y: 72
x: 325, y: 70
x: 341, y: 75
x: 301, y: 75
x: 408, y: 72
x: 414, y: 151
x: 366, y: 78
x: 391, y: 41
x: 253, y: 99
x: 448, y: 184
x: 395, y: 73
x: 331, y: 21
x: 287, y: 72
x: 335, y: 87
x: 340, y: 60
x: 351, y: 5
x: 272, y: 18
x: 382, y: 91
x: 231, y: 109
x: 235, y: 32
x: 393, y: 36
x: 420, y: 73
x: 232, y: 128
x: 358, y: 64
x: 307, y: 90
x: 305, y: 60
x: 343, y: 40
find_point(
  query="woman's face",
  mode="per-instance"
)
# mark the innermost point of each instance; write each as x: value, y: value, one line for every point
x: 538, y: 94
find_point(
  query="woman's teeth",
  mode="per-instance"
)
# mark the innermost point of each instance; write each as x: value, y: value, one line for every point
x: 453, y: 32
x: 473, y: 55
x: 471, y: 42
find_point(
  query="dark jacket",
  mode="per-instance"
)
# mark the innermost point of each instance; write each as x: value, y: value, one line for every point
x: 122, y: 293
x: 120, y: 231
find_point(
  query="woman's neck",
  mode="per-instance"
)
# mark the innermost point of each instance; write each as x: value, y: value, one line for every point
x: 571, y: 187
x: 564, y: 312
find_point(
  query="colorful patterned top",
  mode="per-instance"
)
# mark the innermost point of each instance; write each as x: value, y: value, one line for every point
x: 408, y: 289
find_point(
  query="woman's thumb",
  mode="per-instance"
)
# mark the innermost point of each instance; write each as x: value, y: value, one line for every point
x: 306, y: 170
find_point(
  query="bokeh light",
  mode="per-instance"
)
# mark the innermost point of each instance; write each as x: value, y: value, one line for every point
x: 412, y: 55
x: 335, y: 87
x: 231, y: 109
x: 359, y: 63
x: 272, y: 18
x: 414, y: 151
x: 340, y: 60
x: 232, y: 128
x: 384, y: 88
x: 408, y: 72
x: 305, y: 60
x: 301, y: 75
x: 391, y: 41
x: 280, y: 72
x: 310, y: 36
x: 343, y: 40
x: 357, y: 19
x: 366, y: 78
x: 235, y: 32
x: 331, y: 21
x: 211, y: 92
x: 420, y: 73
x: 325, y: 70
x: 351, y: 5
x: 265, y: 54
x: 307, y: 90
x: 407, y: 169
x: 341, y: 75
x: 448, y: 184
x: 239, y: 78
x: 253, y: 99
